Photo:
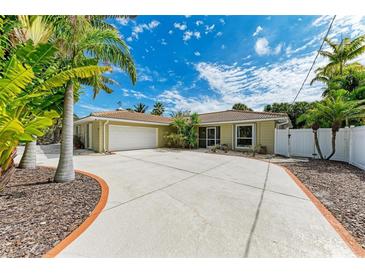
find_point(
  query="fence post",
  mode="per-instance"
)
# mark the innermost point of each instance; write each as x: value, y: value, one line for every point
x: 350, y: 144
x: 288, y: 148
x: 275, y: 140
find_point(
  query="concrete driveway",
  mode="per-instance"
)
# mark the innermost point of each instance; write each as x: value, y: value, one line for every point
x: 166, y: 203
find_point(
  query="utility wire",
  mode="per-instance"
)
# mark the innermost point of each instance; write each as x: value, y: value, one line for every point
x: 315, y: 59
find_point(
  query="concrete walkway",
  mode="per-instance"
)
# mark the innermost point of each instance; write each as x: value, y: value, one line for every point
x: 166, y: 203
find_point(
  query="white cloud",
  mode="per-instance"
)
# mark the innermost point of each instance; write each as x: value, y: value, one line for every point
x: 197, y: 53
x: 258, y: 30
x: 277, y: 49
x: 153, y: 24
x: 262, y: 46
x: 123, y: 21
x: 209, y: 29
x: 197, y: 34
x: 187, y: 35
x: 222, y: 21
x: 180, y: 26
x: 223, y: 46
x: 171, y: 32
x: 175, y: 101
x: 141, y: 28
x: 199, y: 22
x: 134, y: 93
x: 219, y: 34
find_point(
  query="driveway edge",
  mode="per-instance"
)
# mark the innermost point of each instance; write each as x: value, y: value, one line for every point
x: 340, y: 229
x: 88, y: 221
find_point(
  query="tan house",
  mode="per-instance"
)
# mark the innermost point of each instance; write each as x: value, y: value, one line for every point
x: 128, y: 130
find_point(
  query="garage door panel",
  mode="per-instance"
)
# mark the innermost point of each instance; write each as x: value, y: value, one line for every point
x: 128, y: 138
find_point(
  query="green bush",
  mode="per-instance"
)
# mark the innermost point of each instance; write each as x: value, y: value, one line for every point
x: 175, y: 140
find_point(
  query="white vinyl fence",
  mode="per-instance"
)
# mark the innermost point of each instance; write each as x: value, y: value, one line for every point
x: 350, y: 144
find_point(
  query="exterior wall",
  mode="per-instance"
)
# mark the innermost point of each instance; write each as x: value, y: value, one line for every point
x: 162, y: 131
x: 96, y: 142
x: 265, y: 134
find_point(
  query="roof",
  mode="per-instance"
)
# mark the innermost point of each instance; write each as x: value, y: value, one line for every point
x: 226, y: 116
x: 132, y: 116
x: 239, y: 115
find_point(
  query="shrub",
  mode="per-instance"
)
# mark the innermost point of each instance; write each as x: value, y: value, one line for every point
x: 175, y: 140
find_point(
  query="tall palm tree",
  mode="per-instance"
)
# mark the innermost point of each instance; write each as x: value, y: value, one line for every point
x: 140, y: 107
x: 83, y: 41
x: 240, y: 106
x: 158, y: 109
x: 342, y: 53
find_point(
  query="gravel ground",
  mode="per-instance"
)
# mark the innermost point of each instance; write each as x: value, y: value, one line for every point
x: 340, y: 187
x: 36, y: 213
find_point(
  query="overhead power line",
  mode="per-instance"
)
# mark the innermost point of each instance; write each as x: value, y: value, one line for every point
x: 315, y: 59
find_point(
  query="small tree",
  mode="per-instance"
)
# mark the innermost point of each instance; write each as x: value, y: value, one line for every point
x: 240, y: 106
x: 140, y: 107
x: 334, y: 110
x: 186, y: 131
x: 158, y: 109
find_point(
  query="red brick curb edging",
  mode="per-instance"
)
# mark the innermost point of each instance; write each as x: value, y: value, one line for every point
x: 89, y: 220
x: 344, y: 234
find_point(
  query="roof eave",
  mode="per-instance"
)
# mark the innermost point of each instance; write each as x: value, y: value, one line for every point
x: 96, y: 118
x: 245, y: 121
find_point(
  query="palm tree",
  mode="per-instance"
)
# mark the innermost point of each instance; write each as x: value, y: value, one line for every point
x: 84, y: 41
x: 313, y: 119
x: 336, y: 109
x: 140, y: 107
x: 158, y: 109
x: 180, y: 113
x: 342, y: 53
x: 240, y: 106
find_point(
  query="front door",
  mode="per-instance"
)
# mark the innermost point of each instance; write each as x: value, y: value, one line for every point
x: 211, y: 136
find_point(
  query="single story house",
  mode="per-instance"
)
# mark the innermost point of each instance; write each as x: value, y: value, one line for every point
x: 127, y: 130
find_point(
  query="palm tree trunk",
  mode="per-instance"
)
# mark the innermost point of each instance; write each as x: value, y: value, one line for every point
x: 65, y: 170
x: 315, y: 132
x: 29, y: 159
x: 334, y: 132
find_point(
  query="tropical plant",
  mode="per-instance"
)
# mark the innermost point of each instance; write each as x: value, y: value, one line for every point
x: 191, y: 130
x: 175, y: 140
x: 186, y: 131
x: 293, y: 110
x: 334, y: 110
x: 240, y: 106
x: 140, y: 107
x: 313, y: 119
x: 158, y: 109
x: 180, y: 113
x: 85, y: 41
x: 340, y: 54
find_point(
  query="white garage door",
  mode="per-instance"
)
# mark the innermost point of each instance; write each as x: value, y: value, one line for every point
x: 128, y: 138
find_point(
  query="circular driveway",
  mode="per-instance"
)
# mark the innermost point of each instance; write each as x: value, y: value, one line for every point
x: 168, y: 203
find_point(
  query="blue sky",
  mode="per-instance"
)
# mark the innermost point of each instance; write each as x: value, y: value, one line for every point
x: 208, y: 63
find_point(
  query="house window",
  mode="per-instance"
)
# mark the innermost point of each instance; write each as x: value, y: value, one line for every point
x: 245, y: 136
x: 209, y: 136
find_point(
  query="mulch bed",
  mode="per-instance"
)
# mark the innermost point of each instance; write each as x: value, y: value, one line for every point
x: 340, y: 187
x: 37, y: 213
